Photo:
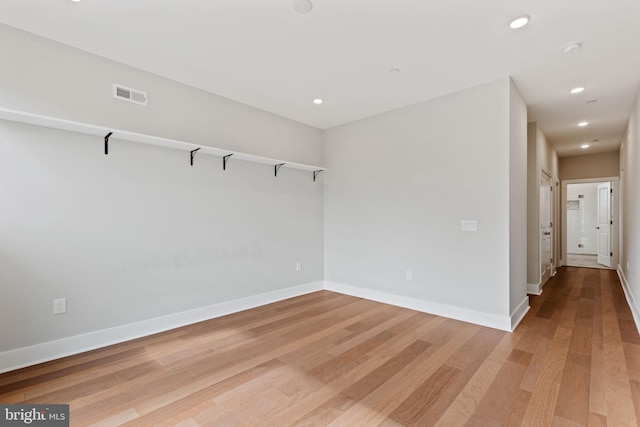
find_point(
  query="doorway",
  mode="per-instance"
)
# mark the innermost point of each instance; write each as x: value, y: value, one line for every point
x: 590, y: 223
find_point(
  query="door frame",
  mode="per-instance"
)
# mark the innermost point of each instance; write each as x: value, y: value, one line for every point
x: 551, y: 207
x: 615, y: 246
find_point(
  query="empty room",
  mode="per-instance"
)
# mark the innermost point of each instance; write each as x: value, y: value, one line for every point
x: 319, y: 213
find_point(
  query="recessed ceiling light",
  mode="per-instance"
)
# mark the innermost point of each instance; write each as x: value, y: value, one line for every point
x: 583, y: 124
x: 591, y: 101
x: 571, y: 47
x: 302, y: 6
x: 577, y: 89
x: 76, y: 1
x: 596, y: 140
x: 519, y: 22
x: 318, y: 101
x: 583, y: 146
x: 394, y: 70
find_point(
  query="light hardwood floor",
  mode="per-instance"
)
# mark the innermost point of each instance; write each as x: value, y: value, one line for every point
x: 330, y: 359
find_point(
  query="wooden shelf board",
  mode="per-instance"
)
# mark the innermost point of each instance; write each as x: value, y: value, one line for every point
x: 68, y: 125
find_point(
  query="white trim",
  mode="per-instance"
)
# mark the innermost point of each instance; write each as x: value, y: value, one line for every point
x: 519, y: 313
x: 534, y: 288
x: 615, y: 239
x: 631, y: 301
x: 44, y: 352
x: 466, y: 315
x: 552, y: 210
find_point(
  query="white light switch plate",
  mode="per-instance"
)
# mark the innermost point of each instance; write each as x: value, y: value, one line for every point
x: 468, y: 225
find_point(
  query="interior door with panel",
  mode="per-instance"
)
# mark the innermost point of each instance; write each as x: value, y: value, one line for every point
x: 546, y: 228
x: 603, y: 229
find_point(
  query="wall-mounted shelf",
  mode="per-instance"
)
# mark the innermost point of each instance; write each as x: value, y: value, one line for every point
x: 101, y: 131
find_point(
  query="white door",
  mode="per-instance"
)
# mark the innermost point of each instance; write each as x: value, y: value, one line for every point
x: 603, y: 230
x: 546, y: 228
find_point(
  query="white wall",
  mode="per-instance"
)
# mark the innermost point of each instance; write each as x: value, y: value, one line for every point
x: 629, y: 266
x: 399, y: 186
x: 533, y: 208
x: 139, y: 233
x: 517, y: 201
x: 587, y: 166
x: 44, y: 77
x: 541, y: 156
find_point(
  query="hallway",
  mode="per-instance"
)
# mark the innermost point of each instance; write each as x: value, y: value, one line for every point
x: 585, y: 352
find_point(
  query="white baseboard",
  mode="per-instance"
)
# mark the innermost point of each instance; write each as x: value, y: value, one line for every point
x: 44, y: 352
x: 519, y: 313
x: 490, y: 320
x: 631, y: 301
x: 534, y: 288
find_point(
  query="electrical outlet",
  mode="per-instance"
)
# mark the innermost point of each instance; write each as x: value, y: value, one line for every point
x: 298, y: 266
x: 408, y: 275
x: 59, y: 306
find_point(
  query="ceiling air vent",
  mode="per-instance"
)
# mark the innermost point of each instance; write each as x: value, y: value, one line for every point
x: 124, y: 93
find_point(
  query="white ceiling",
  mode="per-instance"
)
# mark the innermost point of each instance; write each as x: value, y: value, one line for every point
x: 263, y: 53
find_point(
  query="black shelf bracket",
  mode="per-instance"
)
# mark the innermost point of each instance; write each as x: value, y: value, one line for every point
x: 193, y: 154
x: 316, y: 173
x: 225, y: 159
x: 276, y: 168
x: 106, y: 143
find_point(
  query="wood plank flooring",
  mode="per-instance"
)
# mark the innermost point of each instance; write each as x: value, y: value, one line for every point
x: 326, y: 359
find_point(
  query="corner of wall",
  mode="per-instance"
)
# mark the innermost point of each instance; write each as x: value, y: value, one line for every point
x: 534, y: 288
x: 44, y: 352
x: 518, y: 185
x: 518, y: 314
x: 451, y: 312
